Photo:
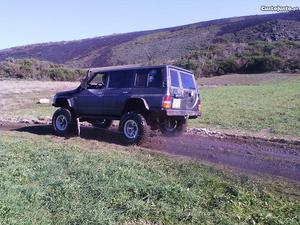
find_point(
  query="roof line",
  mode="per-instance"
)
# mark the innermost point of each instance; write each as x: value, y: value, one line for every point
x: 133, y: 66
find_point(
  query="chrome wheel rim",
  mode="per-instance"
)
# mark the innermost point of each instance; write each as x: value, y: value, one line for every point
x: 131, y: 129
x: 61, y: 122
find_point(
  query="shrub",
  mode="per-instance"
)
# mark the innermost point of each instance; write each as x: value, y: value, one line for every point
x: 10, y: 59
x: 190, y: 64
x: 228, y: 65
x: 261, y: 64
x: 254, y: 57
x: 37, y: 70
x: 209, y: 68
x: 292, y: 66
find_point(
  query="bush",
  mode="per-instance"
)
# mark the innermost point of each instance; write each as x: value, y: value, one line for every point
x: 190, y: 64
x: 229, y: 65
x: 209, y: 68
x: 292, y: 66
x: 37, y: 70
x: 254, y: 57
x: 261, y: 64
x: 10, y: 59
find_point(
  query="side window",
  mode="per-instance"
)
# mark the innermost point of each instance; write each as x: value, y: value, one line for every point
x: 141, y: 78
x: 155, y: 78
x: 174, y: 78
x: 149, y: 78
x: 121, y: 79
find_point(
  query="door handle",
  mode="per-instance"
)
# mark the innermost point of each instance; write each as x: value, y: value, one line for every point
x: 125, y: 92
x: 177, y: 95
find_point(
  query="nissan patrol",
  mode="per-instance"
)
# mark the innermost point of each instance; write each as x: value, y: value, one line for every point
x: 141, y: 97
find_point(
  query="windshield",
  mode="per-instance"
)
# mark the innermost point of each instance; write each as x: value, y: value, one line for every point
x: 84, y: 82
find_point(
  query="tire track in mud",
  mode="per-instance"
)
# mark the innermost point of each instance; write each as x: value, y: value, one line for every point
x: 254, y: 156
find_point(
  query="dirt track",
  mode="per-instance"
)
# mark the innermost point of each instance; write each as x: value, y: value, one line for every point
x: 241, y: 154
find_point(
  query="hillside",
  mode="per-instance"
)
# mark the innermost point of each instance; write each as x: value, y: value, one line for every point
x: 175, y: 45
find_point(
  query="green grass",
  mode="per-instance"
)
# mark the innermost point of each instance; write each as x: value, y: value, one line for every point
x: 35, y: 112
x: 274, y: 106
x: 45, y: 182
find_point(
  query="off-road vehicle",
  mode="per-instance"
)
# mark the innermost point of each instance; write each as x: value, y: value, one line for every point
x: 140, y: 97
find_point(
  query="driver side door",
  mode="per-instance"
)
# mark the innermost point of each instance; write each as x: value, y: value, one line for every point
x: 90, y: 101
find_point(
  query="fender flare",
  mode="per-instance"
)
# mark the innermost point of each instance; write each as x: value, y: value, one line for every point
x: 138, y: 99
x: 64, y: 102
x: 145, y: 103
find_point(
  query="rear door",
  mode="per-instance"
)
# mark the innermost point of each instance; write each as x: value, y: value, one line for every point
x: 176, y: 91
x: 190, y: 92
x: 149, y: 86
x: 183, y: 90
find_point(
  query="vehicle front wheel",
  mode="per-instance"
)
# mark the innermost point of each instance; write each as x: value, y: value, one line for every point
x: 103, y: 123
x: 63, y: 123
x: 134, y: 128
x: 173, y: 127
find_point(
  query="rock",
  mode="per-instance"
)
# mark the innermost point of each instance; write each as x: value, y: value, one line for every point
x: 44, y: 118
x: 44, y: 101
x: 38, y: 122
x: 48, y: 118
x: 24, y: 121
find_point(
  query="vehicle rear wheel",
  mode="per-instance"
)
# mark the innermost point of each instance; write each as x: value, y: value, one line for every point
x: 63, y: 123
x: 134, y: 128
x: 173, y: 127
x: 102, y: 123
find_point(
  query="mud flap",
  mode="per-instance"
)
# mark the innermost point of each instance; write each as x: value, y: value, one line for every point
x: 77, y: 127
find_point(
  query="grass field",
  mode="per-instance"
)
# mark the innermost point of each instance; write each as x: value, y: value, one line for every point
x: 272, y: 106
x: 58, y: 181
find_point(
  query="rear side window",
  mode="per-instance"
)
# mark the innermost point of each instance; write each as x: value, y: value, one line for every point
x: 121, y: 79
x: 187, y: 81
x: 141, y: 79
x: 174, y: 78
x: 149, y: 78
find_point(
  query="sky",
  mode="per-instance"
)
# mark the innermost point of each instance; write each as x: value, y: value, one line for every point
x: 35, y: 21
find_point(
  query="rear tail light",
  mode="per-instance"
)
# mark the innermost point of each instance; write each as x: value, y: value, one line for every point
x: 167, y: 102
x: 199, y: 105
